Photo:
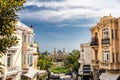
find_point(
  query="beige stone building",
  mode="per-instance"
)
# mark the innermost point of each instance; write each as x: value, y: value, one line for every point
x: 106, y: 48
x: 85, y: 69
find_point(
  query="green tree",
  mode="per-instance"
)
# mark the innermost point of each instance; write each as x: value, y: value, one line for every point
x: 8, y: 17
x: 71, y: 62
x: 45, y: 60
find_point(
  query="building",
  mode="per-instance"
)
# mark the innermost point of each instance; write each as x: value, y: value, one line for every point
x: 85, y: 69
x: 28, y: 51
x: 105, y: 45
x: 59, y: 55
x: 12, y: 59
x: 18, y: 61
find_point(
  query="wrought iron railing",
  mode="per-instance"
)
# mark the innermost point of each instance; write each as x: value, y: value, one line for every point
x: 94, y: 42
x: 12, y: 69
x: 106, y: 41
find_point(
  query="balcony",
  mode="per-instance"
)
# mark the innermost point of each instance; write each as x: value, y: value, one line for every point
x: 95, y: 63
x: 110, y: 66
x: 115, y: 66
x: 106, y: 41
x: 25, y: 46
x: 94, y: 42
x: 9, y: 69
x: 105, y: 63
x: 81, y: 61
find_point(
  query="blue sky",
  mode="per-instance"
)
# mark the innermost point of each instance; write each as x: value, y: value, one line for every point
x: 65, y: 23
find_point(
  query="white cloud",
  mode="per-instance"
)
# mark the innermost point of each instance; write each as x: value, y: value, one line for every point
x: 71, y: 9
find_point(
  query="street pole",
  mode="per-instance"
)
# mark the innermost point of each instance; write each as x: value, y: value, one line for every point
x: 82, y: 76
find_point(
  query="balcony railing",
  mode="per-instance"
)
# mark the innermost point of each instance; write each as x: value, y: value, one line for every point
x: 95, y: 61
x: 9, y: 69
x: 106, y: 41
x: 110, y: 66
x: 81, y: 61
x: 24, y: 46
x: 94, y: 42
x: 105, y: 63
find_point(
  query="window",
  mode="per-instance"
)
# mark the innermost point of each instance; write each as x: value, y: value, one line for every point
x: 82, y: 56
x: 31, y: 40
x: 30, y: 59
x: 117, y: 57
x: 96, y: 36
x: 106, y: 56
x: 96, y: 57
x: 116, y: 35
x: 24, y: 38
x: 113, y: 57
x: 105, y: 33
x: 24, y: 58
x: 9, y: 60
x: 82, y: 49
x: 112, y: 34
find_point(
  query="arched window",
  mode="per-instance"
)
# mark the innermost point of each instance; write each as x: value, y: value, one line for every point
x: 105, y: 33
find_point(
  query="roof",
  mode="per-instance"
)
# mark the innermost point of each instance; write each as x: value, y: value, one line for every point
x: 22, y: 26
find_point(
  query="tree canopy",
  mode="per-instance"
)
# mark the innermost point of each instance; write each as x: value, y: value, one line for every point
x: 71, y: 61
x: 45, y: 60
x: 8, y: 17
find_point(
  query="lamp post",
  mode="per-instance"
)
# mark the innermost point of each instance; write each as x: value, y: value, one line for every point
x: 82, y: 75
x: 49, y: 73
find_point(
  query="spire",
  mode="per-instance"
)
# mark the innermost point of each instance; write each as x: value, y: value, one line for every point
x: 54, y: 50
x: 110, y: 14
x: 63, y: 50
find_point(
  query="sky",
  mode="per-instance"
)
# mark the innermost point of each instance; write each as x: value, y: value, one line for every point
x: 65, y: 23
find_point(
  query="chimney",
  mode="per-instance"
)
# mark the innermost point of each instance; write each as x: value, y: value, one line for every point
x: 31, y: 26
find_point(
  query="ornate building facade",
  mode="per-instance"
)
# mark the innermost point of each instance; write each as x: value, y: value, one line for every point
x: 59, y: 56
x: 106, y: 48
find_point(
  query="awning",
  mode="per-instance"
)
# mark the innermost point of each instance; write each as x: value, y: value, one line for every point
x: 108, y: 76
x: 31, y: 73
x: 42, y: 71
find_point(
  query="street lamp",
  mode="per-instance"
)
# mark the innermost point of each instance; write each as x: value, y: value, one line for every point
x: 49, y: 73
